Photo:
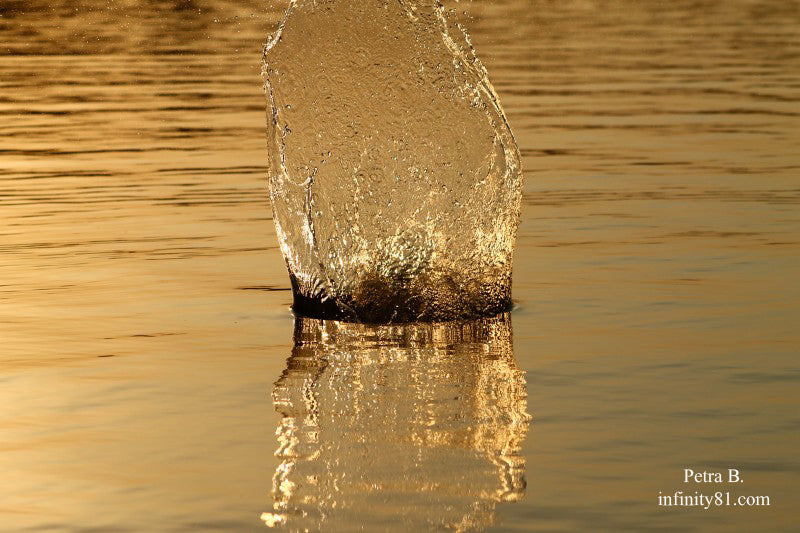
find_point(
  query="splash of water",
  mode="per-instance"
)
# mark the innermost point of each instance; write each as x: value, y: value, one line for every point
x: 419, y: 421
x: 395, y: 179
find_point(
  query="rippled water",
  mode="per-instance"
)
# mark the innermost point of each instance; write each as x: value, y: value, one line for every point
x: 148, y: 350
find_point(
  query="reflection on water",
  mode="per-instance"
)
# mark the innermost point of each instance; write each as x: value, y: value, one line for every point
x: 418, y: 421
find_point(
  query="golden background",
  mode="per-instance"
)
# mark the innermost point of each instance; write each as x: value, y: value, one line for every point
x: 144, y: 318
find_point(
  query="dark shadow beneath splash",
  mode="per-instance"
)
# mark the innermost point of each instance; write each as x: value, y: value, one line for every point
x: 383, y: 301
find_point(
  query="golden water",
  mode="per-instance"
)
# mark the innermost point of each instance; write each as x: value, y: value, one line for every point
x: 148, y: 349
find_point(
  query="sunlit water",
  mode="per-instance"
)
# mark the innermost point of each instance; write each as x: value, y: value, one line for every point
x: 395, y: 180
x: 149, y: 372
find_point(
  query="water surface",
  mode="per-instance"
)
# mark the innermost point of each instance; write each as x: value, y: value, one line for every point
x: 144, y: 303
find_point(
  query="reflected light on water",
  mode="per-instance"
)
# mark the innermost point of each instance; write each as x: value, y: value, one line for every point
x: 419, y: 421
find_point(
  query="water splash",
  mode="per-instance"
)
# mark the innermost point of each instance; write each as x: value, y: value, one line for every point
x: 395, y: 179
x: 419, y: 421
